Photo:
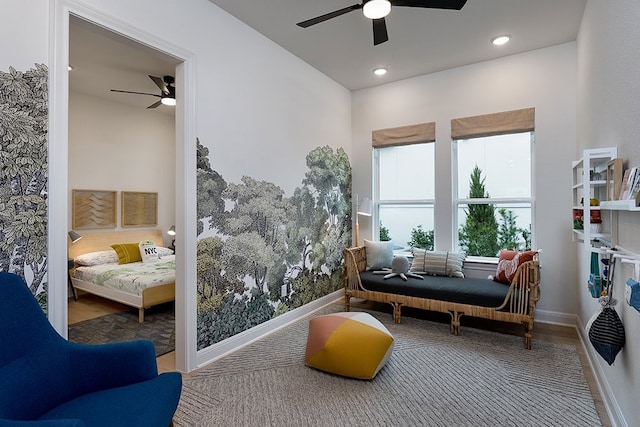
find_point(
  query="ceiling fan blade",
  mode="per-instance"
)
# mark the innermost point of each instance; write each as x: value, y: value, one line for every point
x: 137, y: 93
x: 433, y: 4
x: 379, y: 31
x: 155, y: 104
x: 326, y: 17
x: 160, y: 83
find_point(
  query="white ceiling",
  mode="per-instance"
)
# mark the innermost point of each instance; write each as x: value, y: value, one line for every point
x: 421, y: 41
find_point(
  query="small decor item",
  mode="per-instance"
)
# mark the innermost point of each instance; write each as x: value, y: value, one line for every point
x: 614, y: 178
x: 632, y: 293
x: 399, y: 268
x: 606, y: 332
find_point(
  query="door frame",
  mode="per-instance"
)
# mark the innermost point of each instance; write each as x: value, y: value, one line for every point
x: 185, y: 154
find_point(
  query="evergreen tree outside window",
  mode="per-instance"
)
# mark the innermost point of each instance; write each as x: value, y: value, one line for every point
x: 494, y: 196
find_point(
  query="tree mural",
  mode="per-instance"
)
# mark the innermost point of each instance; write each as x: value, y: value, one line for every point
x: 270, y: 253
x: 23, y: 175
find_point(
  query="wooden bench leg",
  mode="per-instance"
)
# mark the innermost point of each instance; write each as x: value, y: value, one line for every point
x: 397, y: 312
x: 528, y: 334
x: 455, y: 322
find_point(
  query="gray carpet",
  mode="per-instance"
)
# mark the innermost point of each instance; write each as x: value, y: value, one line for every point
x: 433, y: 378
x: 158, y: 326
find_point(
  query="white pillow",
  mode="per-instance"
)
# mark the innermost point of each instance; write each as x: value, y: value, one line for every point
x: 379, y: 254
x: 162, y: 252
x: 148, y: 251
x: 437, y: 263
x: 97, y: 258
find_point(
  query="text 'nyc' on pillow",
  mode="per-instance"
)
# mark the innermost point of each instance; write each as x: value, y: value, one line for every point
x: 149, y: 251
x: 379, y: 254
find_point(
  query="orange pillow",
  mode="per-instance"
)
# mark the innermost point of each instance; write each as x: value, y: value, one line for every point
x: 509, y: 262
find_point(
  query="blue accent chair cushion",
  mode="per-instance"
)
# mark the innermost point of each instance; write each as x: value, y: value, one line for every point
x: 46, y: 380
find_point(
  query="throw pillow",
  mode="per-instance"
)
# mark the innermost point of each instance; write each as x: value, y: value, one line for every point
x: 379, y: 254
x: 509, y: 262
x: 148, y: 251
x: 97, y: 258
x: 127, y: 252
x: 437, y: 263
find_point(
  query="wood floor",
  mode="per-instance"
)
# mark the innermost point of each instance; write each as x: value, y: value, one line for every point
x: 90, y: 306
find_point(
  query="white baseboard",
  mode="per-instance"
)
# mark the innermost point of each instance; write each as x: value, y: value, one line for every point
x: 242, y: 339
x: 563, y: 319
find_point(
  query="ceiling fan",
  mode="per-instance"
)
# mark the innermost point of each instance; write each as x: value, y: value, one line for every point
x: 167, y: 91
x: 376, y: 10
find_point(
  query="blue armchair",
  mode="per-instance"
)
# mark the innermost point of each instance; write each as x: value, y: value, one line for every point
x: 48, y: 381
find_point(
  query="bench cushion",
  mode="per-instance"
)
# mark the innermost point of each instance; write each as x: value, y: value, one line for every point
x: 480, y: 292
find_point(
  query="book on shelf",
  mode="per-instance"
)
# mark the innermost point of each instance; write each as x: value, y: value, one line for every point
x: 634, y: 194
x: 628, y: 182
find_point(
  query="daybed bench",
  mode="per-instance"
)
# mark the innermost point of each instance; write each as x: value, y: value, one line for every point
x: 483, y: 298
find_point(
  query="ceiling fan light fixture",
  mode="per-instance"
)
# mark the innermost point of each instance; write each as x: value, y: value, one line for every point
x: 380, y: 71
x: 376, y: 9
x: 501, y: 39
x: 168, y: 101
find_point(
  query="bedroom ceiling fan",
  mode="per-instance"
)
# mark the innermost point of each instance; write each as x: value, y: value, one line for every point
x: 376, y: 10
x: 167, y: 91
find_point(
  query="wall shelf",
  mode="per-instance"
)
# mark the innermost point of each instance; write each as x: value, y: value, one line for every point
x: 620, y: 205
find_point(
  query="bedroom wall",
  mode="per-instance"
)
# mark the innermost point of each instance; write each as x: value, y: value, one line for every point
x: 608, y: 105
x: 113, y: 146
x: 544, y: 79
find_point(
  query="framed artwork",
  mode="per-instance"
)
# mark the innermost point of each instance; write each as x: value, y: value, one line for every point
x: 93, y: 209
x: 614, y: 179
x: 139, y: 209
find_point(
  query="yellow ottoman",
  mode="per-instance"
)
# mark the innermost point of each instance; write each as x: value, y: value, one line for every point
x: 350, y: 344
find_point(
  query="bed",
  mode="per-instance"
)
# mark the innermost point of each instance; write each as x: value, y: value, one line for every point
x: 136, y: 284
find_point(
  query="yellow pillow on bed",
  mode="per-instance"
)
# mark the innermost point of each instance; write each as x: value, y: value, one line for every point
x: 127, y: 252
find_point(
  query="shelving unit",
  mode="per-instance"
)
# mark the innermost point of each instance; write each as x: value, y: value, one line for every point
x: 589, y: 182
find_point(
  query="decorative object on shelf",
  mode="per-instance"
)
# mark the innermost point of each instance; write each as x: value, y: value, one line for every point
x: 614, y: 179
x: 578, y: 223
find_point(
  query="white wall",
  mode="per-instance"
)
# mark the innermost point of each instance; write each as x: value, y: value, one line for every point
x: 113, y: 146
x: 608, y: 106
x: 24, y: 34
x: 544, y: 79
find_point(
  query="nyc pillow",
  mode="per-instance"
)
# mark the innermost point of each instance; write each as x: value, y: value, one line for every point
x: 127, y: 252
x: 437, y: 263
x: 148, y: 251
x: 379, y: 254
x: 509, y: 262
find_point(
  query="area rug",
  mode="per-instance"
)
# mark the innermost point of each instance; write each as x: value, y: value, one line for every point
x: 433, y: 378
x: 158, y: 326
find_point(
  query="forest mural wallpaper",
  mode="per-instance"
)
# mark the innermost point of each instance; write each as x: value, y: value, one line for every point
x: 262, y: 253
x: 24, y: 176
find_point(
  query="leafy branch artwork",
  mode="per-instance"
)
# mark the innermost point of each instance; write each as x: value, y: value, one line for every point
x: 269, y: 253
x: 23, y: 175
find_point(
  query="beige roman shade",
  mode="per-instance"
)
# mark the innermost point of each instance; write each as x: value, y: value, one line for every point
x: 493, y: 124
x: 404, y: 135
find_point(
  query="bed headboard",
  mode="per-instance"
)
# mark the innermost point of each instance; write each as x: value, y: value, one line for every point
x: 92, y: 242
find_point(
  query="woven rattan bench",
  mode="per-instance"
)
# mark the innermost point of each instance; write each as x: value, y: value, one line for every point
x: 518, y: 305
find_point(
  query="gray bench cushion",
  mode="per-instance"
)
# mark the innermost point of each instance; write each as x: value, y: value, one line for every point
x: 480, y: 292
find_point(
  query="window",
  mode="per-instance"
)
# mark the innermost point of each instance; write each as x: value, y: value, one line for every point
x: 405, y: 193
x: 404, y: 187
x: 493, y: 195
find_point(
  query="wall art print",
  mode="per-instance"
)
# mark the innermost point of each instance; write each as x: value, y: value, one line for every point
x: 24, y: 176
x: 270, y: 253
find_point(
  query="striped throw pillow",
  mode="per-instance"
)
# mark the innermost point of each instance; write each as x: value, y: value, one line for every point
x: 437, y: 263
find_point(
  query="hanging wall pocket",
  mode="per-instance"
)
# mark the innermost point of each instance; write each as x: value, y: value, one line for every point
x: 632, y: 293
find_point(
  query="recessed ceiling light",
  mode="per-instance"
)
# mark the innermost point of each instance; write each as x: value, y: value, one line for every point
x: 69, y: 67
x: 380, y: 71
x: 501, y: 39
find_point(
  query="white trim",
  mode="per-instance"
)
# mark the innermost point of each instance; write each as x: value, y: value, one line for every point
x: 185, y: 161
x: 236, y: 342
x: 606, y: 392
